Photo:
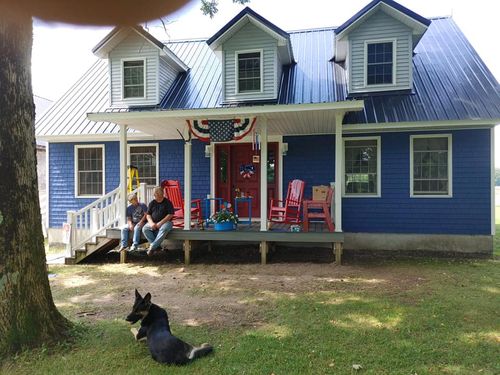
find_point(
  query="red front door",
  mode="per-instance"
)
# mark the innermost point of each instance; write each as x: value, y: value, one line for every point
x: 238, y: 174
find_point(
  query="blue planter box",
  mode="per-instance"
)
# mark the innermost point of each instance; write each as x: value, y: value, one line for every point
x: 224, y: 226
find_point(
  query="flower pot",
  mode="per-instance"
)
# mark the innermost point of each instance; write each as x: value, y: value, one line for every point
x: 227, y: 225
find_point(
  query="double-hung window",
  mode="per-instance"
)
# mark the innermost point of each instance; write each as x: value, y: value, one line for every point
x: 380, y: 63
x: 430, y: 165
x: 133, y: 79
x: 89, y: 170
x: 249, y: 71
x: 362, y: 166
x: 145, y: 158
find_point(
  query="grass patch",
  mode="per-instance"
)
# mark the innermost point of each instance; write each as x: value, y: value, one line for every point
x: 53, y: 249
x: 446, y: 322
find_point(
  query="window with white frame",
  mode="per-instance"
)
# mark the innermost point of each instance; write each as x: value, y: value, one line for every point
x: 89, y: 170
x: 249, y: 71
x: 430, y: 165
x: 145, y: 158
x: 133, y: 79
x: 362, y: 166
x: 379, y: 63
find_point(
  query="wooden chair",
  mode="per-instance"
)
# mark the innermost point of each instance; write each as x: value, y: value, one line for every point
x: 319, y: 211
x: 172, y: 191
x: 288, y: 211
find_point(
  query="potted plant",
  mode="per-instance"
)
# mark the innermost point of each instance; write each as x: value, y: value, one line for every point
x: 224, y: 219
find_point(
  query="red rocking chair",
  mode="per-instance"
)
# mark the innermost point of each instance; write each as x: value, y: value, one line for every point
x: 172, y: 191
x: 319, y: 211
x: 288, y: 211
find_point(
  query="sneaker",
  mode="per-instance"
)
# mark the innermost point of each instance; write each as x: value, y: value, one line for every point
x: 151, y: 251
x: 122, y: 248
x: 134, y: 248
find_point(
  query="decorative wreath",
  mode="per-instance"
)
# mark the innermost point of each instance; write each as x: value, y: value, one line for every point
x: 247, y: 170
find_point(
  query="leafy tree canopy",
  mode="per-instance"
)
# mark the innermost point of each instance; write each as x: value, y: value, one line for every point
x: 210, y: 7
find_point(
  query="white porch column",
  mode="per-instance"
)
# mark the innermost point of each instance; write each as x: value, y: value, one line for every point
x: 263, y: 174
x: 187, y: 181
x: 339, y: 162
x: 123, y: 174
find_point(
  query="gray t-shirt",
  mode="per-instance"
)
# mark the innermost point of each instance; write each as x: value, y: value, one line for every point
x: 135, y: 213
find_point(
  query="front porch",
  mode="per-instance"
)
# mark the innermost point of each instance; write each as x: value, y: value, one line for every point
x: 251, y: 234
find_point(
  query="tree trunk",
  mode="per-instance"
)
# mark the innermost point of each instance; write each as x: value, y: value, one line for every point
x: 28, y: 316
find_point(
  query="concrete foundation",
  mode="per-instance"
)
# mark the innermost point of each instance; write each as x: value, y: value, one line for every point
x: 480, y: 245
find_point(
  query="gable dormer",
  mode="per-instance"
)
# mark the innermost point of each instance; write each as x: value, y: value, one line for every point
x: 377, y: 46
x: 253, y: 52
x: 141, y: 68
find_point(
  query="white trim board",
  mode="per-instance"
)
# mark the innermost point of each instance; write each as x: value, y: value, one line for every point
x: 237, y: 71
x: 156, y: 145
x: 379, y: 167
x: 75, y: 157
x: 450, y: 166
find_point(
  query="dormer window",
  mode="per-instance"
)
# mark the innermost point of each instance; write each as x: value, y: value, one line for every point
x: 134, y: 78
x: 380, y: 63
x: 249, y: 71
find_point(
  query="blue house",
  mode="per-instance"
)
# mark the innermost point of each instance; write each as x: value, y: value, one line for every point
x: 394, y: 109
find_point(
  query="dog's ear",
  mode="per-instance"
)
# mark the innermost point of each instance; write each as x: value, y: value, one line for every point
x: 147, y: 298
x: 137, y: 295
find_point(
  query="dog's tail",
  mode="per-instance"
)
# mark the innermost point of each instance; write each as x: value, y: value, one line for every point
x: 201, y: 351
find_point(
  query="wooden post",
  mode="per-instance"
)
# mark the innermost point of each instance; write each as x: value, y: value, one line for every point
x: 123, y: 175
x: 263, y: 174
x: 339, y: 162
x: 263, y: 252
x: 338, y: 247
x: 187, y: 180
x: 123, y: 256
x: 142, y: 193
x: 187, y: 252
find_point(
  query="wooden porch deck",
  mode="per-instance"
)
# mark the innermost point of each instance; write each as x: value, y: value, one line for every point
x: 250, y: 233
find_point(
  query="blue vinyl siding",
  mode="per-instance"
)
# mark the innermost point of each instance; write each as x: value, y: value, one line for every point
x: 309, y: 158
x: 312, y: 159
x: 467, y: 212
x: 62, y: 172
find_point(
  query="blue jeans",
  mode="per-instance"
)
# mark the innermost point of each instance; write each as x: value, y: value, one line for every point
x: 136, y: 237
x: 155, y: 237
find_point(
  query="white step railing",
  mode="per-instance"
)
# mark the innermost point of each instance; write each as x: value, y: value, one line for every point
x: 93, y: 220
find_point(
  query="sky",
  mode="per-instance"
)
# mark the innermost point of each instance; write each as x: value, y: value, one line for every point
x: 62, y: 53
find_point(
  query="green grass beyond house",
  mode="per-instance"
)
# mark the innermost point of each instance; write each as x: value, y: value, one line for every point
x: 389, y: 317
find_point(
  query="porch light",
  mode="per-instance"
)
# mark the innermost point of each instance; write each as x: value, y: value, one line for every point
x: 208, y: 151
x: 284, y: 149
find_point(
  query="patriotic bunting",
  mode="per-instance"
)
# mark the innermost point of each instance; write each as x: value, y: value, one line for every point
x: 221, y: 130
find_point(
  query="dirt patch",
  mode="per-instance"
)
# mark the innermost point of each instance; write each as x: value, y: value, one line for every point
x: 215, y: 290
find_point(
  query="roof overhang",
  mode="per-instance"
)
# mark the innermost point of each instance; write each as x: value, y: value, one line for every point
x: 291, y: 119
x: 246, y: 16
x: 118, y: 34
x: 414, y: 21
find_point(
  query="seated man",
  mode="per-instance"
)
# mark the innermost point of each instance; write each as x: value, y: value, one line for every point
x: 159, y: 216
x: 136, y: 217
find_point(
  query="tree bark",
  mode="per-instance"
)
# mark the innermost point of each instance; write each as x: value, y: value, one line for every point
x: 28, y: 316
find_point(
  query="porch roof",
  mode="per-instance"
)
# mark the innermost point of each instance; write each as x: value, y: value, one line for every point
x: 283, y: 119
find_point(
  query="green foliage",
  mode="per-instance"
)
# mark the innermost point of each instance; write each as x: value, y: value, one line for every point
x: 497, y: 176
x: 224, y: 216
x: 210, y: 7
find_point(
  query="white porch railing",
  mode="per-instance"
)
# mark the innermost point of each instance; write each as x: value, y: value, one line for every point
x: 94, y: 219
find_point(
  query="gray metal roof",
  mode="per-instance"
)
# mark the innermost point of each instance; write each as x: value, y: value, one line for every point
x: 451, y: 82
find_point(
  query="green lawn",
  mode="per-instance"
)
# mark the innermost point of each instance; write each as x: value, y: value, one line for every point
x: 443, y: 318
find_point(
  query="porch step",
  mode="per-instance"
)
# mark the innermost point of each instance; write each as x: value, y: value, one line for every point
x: 101, y: 244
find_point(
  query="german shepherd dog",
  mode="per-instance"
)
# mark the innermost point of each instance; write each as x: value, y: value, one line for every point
x: 163, y: 346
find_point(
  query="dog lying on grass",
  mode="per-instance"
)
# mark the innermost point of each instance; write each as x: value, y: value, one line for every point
x: 163, y: 346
